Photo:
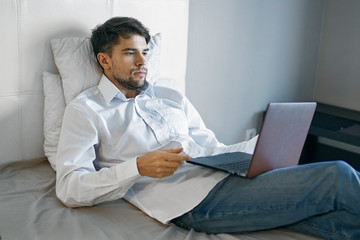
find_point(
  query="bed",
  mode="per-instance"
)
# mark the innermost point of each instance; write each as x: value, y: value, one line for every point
x: 45, y: 46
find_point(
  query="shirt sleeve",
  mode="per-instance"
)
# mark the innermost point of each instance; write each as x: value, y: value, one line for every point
x: 206, y: 138
x: 78, y: 183
x: 197, y: 129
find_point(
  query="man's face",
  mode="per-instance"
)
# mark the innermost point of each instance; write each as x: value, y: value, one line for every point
x: 128, y: 62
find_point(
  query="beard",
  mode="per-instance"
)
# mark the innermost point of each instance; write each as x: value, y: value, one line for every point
x: 131, y: 83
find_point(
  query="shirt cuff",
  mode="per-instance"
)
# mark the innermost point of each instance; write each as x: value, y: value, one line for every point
x: 128, y: 169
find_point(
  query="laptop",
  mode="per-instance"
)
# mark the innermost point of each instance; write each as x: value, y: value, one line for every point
x: 280, y: 142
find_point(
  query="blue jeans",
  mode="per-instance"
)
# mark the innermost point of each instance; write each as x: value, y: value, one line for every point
x: 319, y: 199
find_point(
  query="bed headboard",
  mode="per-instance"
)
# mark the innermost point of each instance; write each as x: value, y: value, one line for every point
x: 27, y: 26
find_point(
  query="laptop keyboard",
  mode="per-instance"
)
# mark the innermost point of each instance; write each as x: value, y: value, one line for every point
x: 240, y: 167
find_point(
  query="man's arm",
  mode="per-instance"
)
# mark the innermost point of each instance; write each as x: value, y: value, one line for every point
x: 79, y: 184
x: 77, y: 181
x: 197, y: 129
x: 206, y: 138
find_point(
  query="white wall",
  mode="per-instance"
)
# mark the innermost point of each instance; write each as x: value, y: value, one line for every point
x: 242, y: 54
x: 338, y: 80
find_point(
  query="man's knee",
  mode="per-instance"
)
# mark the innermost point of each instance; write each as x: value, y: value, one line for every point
x: 339, y: 167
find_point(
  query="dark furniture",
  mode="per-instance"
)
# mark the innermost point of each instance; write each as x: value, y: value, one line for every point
x: 337, y: 124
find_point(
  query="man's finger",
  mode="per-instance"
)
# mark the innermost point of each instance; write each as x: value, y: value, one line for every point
x: 177, y: 158
x: 177, y: 150
x: 173, y: 164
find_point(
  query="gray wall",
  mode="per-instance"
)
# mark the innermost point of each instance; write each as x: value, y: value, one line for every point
x: 338, y: 80
x: 243, y: 54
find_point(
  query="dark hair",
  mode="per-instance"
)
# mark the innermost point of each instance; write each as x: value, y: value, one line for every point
x: 106, y: 35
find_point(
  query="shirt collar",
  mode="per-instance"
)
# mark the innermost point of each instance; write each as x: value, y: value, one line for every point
x: 110, y: 91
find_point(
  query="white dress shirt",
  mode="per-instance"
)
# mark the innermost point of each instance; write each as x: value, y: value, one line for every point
x: 103, y: 133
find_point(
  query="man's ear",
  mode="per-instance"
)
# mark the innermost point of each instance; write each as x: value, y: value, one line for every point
x: 104, y: 60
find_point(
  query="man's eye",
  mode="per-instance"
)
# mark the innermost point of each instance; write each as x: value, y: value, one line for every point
x: 129, y: 53
x: 145, y: 53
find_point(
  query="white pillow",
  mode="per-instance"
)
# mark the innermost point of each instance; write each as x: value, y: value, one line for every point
x: 153, y: 59
x: 78, y: 67
x: 54, y: 106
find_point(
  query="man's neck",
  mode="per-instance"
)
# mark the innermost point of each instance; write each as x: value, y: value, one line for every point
x: 127, y: 93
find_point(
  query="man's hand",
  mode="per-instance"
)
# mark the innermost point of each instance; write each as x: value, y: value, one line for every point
x: 161, y: 163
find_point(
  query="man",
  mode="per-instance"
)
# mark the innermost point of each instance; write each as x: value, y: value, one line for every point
x: 128, y: 139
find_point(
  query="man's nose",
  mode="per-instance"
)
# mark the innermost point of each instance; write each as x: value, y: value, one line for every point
x: 141, y: 60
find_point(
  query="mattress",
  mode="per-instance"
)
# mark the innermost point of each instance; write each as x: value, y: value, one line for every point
x: 29, y: 209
